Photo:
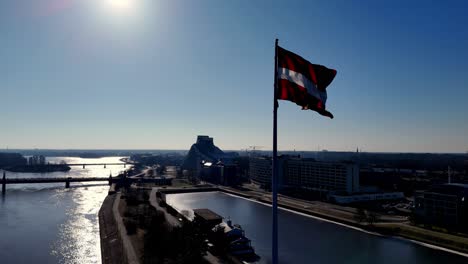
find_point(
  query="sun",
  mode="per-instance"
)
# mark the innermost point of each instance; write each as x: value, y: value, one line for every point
x: 121, y: 6
x: 119, y: 13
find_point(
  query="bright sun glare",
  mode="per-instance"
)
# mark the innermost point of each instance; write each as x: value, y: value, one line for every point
x: 121, y: 6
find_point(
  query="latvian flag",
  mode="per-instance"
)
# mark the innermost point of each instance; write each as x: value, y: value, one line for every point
x: 302, y: 82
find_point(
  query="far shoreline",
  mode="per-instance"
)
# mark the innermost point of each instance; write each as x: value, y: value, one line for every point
x: 46, y: 168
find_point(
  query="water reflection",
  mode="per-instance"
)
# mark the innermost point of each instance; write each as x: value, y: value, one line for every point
x: 78, y: 240
x: 46, y: 223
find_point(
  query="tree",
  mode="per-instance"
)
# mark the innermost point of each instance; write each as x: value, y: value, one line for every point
x: 360, y: 215
x: 412, y: 218
x: 372, y: 217
x: 168, y: 244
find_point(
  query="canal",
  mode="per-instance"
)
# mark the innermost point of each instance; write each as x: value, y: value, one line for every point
x: 304, y: 239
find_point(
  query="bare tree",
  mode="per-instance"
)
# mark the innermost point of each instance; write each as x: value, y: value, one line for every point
x: 360, y: 215
x: 372, y: 217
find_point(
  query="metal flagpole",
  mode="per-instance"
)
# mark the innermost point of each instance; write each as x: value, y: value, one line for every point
x: 274, y: 181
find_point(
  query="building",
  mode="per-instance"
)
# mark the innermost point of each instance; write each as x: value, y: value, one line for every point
x: 36, y: 160
x: 317, y: 175
x: 204, y: 150
x: 206, y: 218
x: 220, y: 173
x: 42, y: 160
x: 444, y: 205
x: 296, y: 172
x: 260, y: 169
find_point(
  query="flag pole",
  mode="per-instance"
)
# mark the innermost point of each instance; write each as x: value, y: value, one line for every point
x: 274, y: 182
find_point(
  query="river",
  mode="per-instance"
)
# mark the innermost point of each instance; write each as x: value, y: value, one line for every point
x: 46, y: 223
x: 304, y: 239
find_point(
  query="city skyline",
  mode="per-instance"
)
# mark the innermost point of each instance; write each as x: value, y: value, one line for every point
x: 154, y: 75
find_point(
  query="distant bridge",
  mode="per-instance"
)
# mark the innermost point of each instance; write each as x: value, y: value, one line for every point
x: 52, y: 180
x: 67, y: 180
x: 93, y: 164
x: 4, y: 181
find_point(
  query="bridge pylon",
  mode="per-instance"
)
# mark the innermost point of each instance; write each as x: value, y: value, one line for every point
x: 4, y: 183
x: 67, y: 183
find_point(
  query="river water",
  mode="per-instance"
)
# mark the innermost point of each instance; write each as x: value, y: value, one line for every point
x: 46, y: 223
x: 304, y: 239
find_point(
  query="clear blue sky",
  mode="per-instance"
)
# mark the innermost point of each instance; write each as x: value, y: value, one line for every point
x: 154, y: 74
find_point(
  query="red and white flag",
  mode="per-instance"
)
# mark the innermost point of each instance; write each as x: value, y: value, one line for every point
x: 302, y: 82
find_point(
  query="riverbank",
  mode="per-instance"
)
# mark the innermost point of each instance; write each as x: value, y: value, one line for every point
x: 400, y: 230
x: 38, y: 168
x: 111, y: 243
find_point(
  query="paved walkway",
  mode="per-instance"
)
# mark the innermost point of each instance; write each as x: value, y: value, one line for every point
x: 172, y: 220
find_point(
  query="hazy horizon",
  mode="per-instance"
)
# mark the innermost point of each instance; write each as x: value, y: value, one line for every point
x: 228, y: 150
x: 148, y: 74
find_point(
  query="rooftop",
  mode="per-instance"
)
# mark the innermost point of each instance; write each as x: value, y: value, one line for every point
x: 207, y: 214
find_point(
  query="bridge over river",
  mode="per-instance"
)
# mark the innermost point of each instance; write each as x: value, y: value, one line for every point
x: 67, y: 180
x: 96, y: 164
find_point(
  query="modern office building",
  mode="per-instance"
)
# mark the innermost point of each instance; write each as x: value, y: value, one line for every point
x: 42, y: 160
x: 323, y: 176
x: 444, y: 205
x: 260, y: 171
x: 220, y: 173
x: 296, y: 172
x: 37, y: 160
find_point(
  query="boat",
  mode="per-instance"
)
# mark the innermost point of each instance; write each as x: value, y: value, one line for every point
x: 238, y: 243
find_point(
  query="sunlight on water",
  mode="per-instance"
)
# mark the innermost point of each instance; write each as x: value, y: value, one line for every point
x: 78, y: 240
x: 51, y: 223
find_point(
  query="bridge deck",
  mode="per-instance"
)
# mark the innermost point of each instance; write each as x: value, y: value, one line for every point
x: 52, y: 180
x: 80, y: 179
x: 95, y: 164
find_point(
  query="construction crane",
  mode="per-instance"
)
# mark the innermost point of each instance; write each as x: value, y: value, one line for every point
x: 252, y: 150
